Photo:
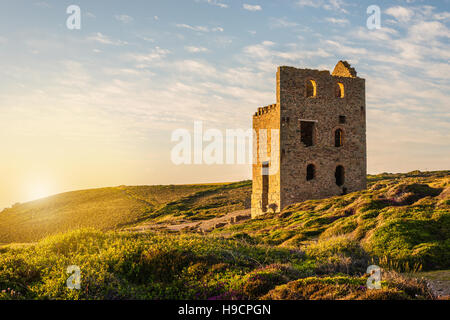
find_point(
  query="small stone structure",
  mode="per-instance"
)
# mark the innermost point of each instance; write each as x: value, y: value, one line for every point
x: 316, y: 132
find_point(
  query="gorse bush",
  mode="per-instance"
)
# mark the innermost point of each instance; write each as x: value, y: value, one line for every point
x: 132, y: 266
x: 162, y: 266
x: 347, y: 288
x: 338, y: 255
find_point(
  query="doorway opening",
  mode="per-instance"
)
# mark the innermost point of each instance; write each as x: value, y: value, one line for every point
x: 339, y: 175
x: 265, y: 185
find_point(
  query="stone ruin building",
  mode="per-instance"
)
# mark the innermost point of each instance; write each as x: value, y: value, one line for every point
x: 319, y: 142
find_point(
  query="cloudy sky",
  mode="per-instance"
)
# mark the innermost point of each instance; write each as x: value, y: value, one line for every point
x: 96, y: 106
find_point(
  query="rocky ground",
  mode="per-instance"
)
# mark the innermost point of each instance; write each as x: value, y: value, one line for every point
x: 438, y: 282
x: 201, y: 226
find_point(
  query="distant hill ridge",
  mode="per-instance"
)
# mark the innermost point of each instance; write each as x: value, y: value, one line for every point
x: 115, y: 207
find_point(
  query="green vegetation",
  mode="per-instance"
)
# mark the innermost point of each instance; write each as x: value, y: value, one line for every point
x: 124, y: 265
x: 401, y: 222
x: 394, y: 287
x: 317, y: 249
x: 113, y: 208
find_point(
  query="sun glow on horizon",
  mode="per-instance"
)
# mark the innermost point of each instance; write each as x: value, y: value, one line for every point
x: 39, y: 189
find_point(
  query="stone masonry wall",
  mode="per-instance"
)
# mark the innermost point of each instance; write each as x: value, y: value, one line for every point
x: 327, y: 111
x: 266, y: 118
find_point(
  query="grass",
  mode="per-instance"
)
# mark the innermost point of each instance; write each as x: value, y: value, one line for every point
x: 443, y: 275
x: 114, y: 208
x: 317, y: 249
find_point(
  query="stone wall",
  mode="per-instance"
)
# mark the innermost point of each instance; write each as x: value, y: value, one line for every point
x: 267, y: 118
x: 326, y: 110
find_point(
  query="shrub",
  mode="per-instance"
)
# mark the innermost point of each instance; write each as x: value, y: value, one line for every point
x: 260, y: 281
x: 413, y: 241
x: 345, y: 288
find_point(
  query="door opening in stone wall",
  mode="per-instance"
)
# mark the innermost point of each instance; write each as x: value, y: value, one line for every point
x: 310, y: 172
x: 339, y: 175
x: 307, y: 132
x: 265, y: 185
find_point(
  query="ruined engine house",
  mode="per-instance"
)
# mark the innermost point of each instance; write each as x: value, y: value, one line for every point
x: 318, y: 125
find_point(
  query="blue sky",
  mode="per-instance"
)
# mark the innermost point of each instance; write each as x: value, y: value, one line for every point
x: 96, y: 106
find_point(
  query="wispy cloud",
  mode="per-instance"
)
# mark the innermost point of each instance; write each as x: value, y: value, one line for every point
x: 196, y: 67
x: 143, y: 59
x: 337, y: 21
x: 145, y: 38
x: 442, y: 15
x: 103, y: 39
x: 309, y: 3
x: 216, y: 3
x: 124, y: 18
x: 336, y: 5
x: 42, y: 4
x: 267, y: 55
x: 199, y: 28
x: 194, y: 49
x: 251, y: 7
x: 400, y: 13
x: 282, y: 23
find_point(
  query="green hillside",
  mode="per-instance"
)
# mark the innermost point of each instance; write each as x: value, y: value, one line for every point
x: 317, y: 249
x: 403, y: 219
x: 112, y: 208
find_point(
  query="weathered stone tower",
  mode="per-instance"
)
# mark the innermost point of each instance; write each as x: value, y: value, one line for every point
x: 318, y: 142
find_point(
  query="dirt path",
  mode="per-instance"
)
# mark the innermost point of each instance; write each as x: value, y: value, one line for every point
x: 440, y: 288
x: 200, y: 226
x: 438, y: 282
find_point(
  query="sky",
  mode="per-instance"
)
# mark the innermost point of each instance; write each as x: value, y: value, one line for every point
x: 96, y: 106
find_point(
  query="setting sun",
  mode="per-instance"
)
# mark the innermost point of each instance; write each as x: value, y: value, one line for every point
x: 38, y: 189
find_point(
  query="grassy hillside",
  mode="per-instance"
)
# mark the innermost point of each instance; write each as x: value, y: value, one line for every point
x: 401, y: 219
x: 317, y: 249
x: 113, y: 208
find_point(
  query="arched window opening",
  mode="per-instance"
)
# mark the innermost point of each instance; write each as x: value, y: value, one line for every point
x: 340, y: 90
x: 310, y: 172
x: 311, y: 88
x: 339, y: 175
x: 338, y: 138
